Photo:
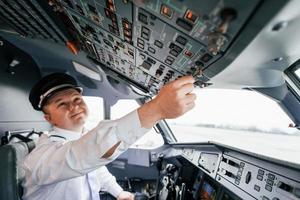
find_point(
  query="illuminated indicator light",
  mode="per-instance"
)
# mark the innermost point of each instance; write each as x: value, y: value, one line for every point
x: 107, y: 13
x: 166, y: 11
x: 126, y: 25
x: 188, y: 53
x: 128, y: 33
x: 189, y: 15
x: 111, y: 8
x: 72, y: 47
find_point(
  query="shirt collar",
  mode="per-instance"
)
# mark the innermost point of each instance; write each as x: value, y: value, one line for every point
x: 67, y: 134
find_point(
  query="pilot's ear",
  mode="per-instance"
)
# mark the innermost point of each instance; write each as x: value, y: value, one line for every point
x: 47, y: 117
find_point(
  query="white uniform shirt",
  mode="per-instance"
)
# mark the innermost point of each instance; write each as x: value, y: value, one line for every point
x: 66, y: 165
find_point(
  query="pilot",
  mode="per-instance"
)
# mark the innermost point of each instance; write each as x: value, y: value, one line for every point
x: 69, y: 162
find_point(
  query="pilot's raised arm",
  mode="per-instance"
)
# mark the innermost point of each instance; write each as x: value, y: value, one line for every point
x: 64, y: 163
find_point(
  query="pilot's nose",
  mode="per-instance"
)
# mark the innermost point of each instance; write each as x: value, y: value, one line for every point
x: 73, y: 105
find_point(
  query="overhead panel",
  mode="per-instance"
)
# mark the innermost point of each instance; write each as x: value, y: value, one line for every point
x: 147, y: 42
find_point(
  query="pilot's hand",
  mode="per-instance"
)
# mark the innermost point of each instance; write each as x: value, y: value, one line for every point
x: 125, y: 196
x: 173, y: 100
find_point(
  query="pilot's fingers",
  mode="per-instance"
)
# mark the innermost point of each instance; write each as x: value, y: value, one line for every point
x: 190, y: 98
x: 185, y: 89
x: 182, y: 81
x: 189, y: 106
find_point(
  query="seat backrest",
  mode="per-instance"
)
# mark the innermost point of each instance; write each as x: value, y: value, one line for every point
x: 11, y: 172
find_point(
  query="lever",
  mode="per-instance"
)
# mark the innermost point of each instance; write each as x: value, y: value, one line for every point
x: 248, y: 177
x: 159, y: 162
x: 140, y: 196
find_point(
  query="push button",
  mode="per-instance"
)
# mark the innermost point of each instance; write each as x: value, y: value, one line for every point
x: 271, y: 176
x: 261, y: 172
x: 257, y: 188
x: 259, y: 177
x: 269, y: 188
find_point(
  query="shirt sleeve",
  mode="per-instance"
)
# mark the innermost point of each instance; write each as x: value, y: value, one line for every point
x: 108, y: 182
x: 57, y: 161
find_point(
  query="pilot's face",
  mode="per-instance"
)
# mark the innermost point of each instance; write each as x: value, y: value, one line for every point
x: 66, y: 110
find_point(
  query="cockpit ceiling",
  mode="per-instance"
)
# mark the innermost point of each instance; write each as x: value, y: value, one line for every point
x: 147, y: 42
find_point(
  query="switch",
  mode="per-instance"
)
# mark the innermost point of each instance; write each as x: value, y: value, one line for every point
x: 150, y: 60
x: 259, y: 177
x: 237, y: 182
x: 184, y: 24
x: 166, y: 11
x: 229, y: 174
x: 158, y: 44
x: 257, y: 188
x: 269, y: 188
x: 188, y: 53
x: 151, y: 50
x: 140, y: 43
x: 271, y: 176
x: 261, y: 172
x: 190, y: 16
x: 146, y: 65
x: 181, y: 40
x: 158, y: 73
x: 143, y: 18
x: 174, y: 53
x: 206, y: 57
x: 242, y: 164
x: 270, y: 182
x: 169, y: 60
x: 248, y: 177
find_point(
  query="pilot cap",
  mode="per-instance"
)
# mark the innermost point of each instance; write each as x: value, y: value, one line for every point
x: 49, y: 85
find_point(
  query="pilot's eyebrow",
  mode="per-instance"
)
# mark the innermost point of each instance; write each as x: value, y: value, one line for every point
x: 60, y: 99
x: 57, y: 100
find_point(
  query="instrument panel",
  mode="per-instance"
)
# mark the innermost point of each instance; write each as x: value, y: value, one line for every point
x: 148, y: 42
x: 210, y: 172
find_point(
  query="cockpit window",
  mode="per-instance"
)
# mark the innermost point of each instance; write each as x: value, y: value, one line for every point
x: 297, y: 72
x: 292, y: 77
x: 151, y: 139
x: 243, y: 119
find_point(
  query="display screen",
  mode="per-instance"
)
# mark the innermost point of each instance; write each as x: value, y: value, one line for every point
x: 207, y: 192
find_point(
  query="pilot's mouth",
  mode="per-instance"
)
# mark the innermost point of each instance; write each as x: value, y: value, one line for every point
x: 76, y: 114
